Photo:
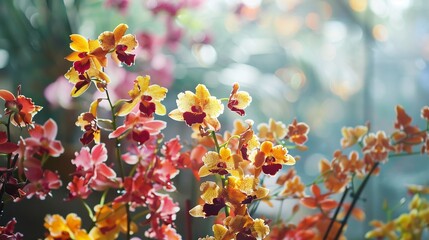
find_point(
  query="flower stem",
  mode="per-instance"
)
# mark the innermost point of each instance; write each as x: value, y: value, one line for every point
x: 356, y: 197
x: 334, y: 218
x: 223, y: 179
x: 118, y: 158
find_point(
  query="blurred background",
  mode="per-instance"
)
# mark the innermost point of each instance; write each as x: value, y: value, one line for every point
x: 329, y: 63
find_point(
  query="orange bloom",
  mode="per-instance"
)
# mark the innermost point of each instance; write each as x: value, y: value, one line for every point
x: 406, y: 136
x: 297, y: 132
x: 20, y: 108
x: 110, y: 220
x: 119, y: 44
x: 352, y: 135
x: 272, y: 131
x: 271, y: 158
x: 352, y: 164
x: 319, y: 200
x: 294, y: 187
x: 377, y: 145
x: 335, y: 178
x: 87, y: 54
x: 69, y: 228
x: 198, y: 108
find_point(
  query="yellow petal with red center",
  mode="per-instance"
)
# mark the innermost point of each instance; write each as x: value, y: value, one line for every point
x: 107, y: 40
x: 129, y: 41
x: 119, y: 31
x: 157, y: 92
x: 185, y: 101
x: 6, y: 95
x: 79, y: 43
x: 176, y: 114
x: 73, y: 57
x: 244, y: 99
x: 209, y: 191
x: 260, y: 229
x: 213, y: 107
x: 266, y: 147
x: 197, y: 211
x: 219, y: 231
x: 160, y: 109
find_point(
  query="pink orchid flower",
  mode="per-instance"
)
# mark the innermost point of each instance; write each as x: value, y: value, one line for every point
x: 41, y: 181
x: 140, y: 127
x: 90, y: 164
x: 42, y: 138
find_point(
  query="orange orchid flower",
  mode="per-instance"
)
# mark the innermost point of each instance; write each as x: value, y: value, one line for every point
x: 87, y: 54
x: 271, y: 158
x: 352, y: 135
x: 319, y: 200
x: 20, y: 108
x: 119, y: 44
x: 297, y: 132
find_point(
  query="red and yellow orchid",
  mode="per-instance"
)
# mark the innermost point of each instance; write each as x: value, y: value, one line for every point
x: 149, y: 97
x: 198, y: 108
x: 119, y: 44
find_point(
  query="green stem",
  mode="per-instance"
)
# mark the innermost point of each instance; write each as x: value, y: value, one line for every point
x: 121, y: 167
x: 356, y: 197
x: 91, y: 215
x: 223, y: 179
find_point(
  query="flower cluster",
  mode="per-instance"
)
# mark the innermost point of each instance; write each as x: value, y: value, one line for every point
x: 126, y: 159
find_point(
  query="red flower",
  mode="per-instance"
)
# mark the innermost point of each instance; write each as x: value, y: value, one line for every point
x: 20, y: 108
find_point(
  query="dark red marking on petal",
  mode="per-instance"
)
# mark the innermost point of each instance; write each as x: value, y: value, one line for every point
x: 141, y: 137
x: 124, y: 57
x: 81, y: 66
x: 248, y: 199
x: 87, y: 137
x: 192, y: 117
x: 147, y: 108
x: 271, y: 169
x: 80, y: 85
x: 231, y: 106
x: 213, y: 209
